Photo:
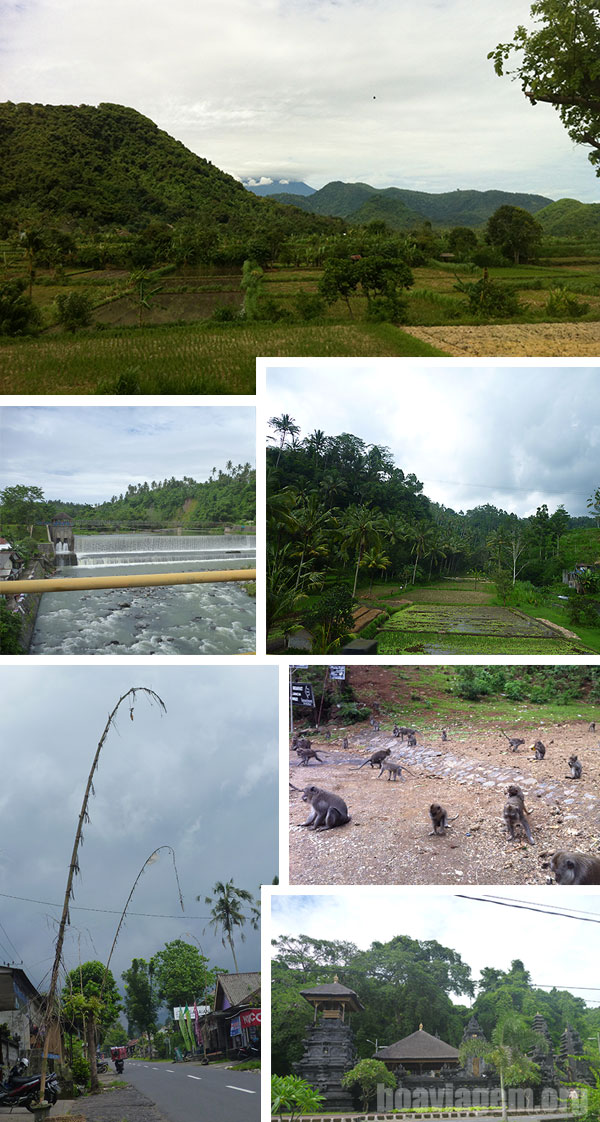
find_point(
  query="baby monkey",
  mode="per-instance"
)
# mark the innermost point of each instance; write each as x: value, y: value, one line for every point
x: 439, y: 819
x: 515, y: 813
x: 575, y: 766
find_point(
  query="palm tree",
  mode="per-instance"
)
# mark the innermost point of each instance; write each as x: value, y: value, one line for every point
x: 362, y: 527
x: 375, y: 560
x: 421, y: 536
x: 227, y: 913
x: 283, y: 425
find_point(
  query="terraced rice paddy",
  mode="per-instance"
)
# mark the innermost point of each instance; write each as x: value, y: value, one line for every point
x: 468, y: 628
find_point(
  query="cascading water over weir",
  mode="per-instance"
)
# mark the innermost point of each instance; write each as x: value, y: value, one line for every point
x: 158, y: 549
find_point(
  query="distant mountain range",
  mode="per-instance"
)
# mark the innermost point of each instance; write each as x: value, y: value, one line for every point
x: 279, y: 186
x: 402, y: 209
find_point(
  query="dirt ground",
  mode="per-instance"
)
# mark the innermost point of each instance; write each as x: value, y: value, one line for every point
x: 388, y: 838
x: 535, y: 340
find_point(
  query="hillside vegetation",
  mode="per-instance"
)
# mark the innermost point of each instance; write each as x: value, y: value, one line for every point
x: 227, y: 497
x: 111, y: 166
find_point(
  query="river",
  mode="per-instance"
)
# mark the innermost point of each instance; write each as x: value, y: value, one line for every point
x: 197, y: 619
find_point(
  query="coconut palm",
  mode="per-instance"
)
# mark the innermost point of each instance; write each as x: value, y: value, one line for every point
x: 362, y: 528
x: 227, y: 913
x: 285, y: 426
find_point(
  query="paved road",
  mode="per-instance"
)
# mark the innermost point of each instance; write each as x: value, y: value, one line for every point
x: 193, y: 1093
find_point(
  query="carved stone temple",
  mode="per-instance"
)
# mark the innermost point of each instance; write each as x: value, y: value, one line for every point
x: 329, y: 1049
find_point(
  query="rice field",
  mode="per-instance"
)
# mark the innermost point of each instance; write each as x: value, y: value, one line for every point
x: 471, y: 629
x: 183, y: 359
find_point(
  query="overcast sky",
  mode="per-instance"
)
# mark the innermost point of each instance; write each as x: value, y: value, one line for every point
x: 90, y: 453
x: 510, y: 436
x: 484, y: 934
x: 390, y: 92
x: 200, y: 778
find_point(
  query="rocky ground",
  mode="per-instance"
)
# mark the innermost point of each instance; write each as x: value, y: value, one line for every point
x: 514, y: 339
x: 388, y: 838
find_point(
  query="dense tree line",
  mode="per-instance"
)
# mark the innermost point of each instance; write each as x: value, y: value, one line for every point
x: 403, y: 983
x: 227, y: 496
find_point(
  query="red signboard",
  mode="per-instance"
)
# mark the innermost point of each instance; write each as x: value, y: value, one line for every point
x: 251, y: 1018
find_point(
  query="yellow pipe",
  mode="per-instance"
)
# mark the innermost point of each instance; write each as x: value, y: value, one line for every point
x: 138, y: 580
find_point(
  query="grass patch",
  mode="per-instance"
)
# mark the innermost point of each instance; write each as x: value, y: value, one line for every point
x: 590, y: 636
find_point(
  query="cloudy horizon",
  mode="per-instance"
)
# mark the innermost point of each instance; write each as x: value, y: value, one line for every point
x: 514, y: 437
x: 90, y: 453
x: 386, y: 92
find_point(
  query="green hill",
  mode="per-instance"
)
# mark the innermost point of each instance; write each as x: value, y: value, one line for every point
x: 109, y: 166
x: 359, y: 203
x: 571, y: 219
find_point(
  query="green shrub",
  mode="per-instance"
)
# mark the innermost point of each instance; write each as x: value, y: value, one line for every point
x: 486, y: 297
x: 561, y: 302
x: 73, y: 310
x: 18, y: 314
x: 309, y: 306
x: 294, y: 1096
x: 10, y: 630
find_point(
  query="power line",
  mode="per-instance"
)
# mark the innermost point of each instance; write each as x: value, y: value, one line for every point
x: 557, y: 907
x: 583, y: 918
x: 109, y: 911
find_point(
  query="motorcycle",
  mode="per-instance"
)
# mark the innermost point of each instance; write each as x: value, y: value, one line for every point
x: 119, y: 1065
x: 21, y: 1089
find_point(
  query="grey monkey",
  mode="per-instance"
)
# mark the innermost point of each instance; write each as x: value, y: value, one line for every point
x: 393, y: 768
x: 575, y: 868
x: 307, y: 754
x: 516, y: 815
x: 576, y: 768
x: 328, y: 810
x: 513, y: 790
x: 514, y: 741
x: 374, y: 759
x: 540, y: 750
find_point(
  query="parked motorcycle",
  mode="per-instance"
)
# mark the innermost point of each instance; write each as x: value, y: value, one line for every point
x: 22, y: 1089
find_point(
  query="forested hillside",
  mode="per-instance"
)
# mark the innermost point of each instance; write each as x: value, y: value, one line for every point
x: 109, y: 166
x: 227, y: 497
x: 400, y: 208
x: 569, y: 218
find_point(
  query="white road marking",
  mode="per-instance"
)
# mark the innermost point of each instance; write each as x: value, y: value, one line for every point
x: 170, y: 1070
x: 194, y: 1077
x: 244, y: 1089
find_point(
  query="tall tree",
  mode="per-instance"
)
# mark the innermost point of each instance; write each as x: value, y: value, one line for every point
x: 227, y: 913
x: 18, y: 504
x: 558, y: 64
x: 141, y: 1002
x: 180, y: 972
x: 91, y: 1003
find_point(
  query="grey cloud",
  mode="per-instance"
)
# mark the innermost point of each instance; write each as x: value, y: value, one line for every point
x: 160, y: 781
